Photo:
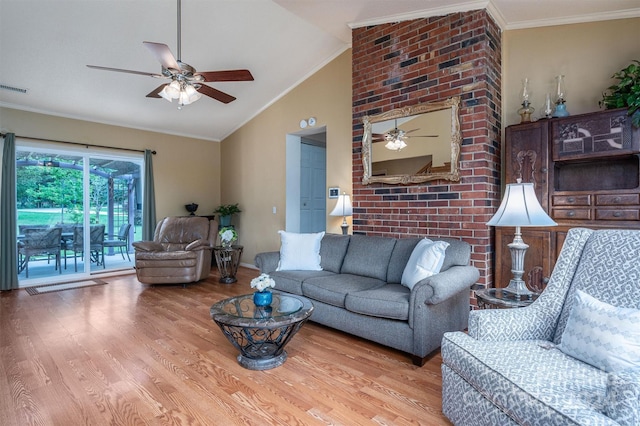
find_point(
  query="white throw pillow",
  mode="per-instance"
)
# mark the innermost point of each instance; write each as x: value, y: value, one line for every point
x: 299, y: 252
x: 602, y: 335
x: 426, y: 260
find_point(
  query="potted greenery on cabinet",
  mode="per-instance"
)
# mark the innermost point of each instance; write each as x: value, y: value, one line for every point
x: 225, y: 211
x: 625, y: 94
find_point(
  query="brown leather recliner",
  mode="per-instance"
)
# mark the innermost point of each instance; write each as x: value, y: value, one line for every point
x: 180, y: 252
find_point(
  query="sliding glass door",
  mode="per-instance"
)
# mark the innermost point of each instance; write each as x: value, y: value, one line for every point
x: 77, y: 211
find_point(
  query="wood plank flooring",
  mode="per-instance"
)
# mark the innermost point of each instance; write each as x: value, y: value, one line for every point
x: 131, y: 354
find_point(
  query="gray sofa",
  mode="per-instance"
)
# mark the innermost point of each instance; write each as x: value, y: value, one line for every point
x: 358, y: 291
x: 513, y: 368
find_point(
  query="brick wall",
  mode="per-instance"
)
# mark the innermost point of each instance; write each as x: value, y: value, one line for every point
x: 431, y: 59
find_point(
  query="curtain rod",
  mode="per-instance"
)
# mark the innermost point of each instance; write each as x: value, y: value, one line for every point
x: 86, y: 145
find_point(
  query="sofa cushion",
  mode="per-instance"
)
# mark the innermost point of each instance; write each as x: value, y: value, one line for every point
x: 332, y: 250
x: 602, y: 335
x: 529, y: 379
x: 182, y: 229
x: 291, y: 281
x: 166, y: 259
x: 399, y: 258
x: 334, y: 289
x: 426, y: 260
x: 457, y: 254
x: 390, y: 301
x: 300, y: 251
x: 368, y: 256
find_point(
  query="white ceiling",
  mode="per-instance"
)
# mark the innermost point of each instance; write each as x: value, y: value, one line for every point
x: 45, y: 45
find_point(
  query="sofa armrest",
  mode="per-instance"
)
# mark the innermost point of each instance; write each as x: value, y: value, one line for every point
x: 622, y: 402
x: 200, y: 244
x: 534, y: 322
x: 147, y: 246
x: 267, y: 261
x: 440, y: 287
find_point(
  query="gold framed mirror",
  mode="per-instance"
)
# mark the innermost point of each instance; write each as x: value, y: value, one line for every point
x: 413, y: 144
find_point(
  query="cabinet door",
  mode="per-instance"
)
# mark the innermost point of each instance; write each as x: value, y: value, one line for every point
x: 527, y: 155
x: 537, y: 261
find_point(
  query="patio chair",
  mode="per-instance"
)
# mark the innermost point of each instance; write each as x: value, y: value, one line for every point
x: 96, y: 245
x: 39, y: 242
x: 120, y: 241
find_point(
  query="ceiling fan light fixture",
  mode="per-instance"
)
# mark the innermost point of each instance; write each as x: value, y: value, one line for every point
x: 171, y: 91
x: 396, y: 144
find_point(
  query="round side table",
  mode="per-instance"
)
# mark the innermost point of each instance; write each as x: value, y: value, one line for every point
x: 228, y: 260
x: 498, y: 298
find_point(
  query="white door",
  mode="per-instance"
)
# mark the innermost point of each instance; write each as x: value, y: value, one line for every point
x: 313, y: 178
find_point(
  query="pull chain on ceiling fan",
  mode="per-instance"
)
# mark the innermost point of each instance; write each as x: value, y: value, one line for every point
x: 187, y: 85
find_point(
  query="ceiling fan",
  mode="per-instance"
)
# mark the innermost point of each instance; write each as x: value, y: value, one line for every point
x: 396, y: 138
x: 186, y: 85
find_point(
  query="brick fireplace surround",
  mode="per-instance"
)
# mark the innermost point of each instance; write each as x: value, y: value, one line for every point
x: 432, y: 59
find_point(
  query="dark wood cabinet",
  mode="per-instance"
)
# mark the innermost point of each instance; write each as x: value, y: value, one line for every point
x: 586, y: 172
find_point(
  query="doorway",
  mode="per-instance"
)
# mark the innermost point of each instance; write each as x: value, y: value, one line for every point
x: 86, y: 197
x: 306, y: 181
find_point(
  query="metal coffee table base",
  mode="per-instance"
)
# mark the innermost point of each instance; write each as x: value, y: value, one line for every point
x: 262, y: 347
x: 264, y: 363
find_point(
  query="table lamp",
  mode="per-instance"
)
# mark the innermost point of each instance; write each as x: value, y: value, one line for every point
x: 343, y: 208
x: 519, y: 207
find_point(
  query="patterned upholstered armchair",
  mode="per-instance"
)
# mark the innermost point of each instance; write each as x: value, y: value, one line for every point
x: 180, y: 252
x: 570, y: 358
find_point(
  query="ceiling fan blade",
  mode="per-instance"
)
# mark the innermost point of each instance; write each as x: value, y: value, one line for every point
x: 229, y: 75
x: 149, y: 74
x: 216, y: 94
x: 163, y: 54
x: 423, y: 136
x: 156, y: 91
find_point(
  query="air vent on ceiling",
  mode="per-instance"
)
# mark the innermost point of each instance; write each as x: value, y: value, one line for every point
x: 12, y: 89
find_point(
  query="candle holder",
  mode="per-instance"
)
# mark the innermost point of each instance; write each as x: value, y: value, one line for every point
x: 561, y: 108
x: 526, y: 110
x: 548, y: 108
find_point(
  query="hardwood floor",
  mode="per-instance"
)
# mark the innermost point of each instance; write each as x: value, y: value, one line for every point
x: 130, y: 354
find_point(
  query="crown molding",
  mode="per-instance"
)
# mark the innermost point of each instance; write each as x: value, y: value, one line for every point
x: 426, y: 13
x: 577, y: 19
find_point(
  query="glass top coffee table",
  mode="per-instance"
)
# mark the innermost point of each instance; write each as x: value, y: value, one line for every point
x: 261, y: 333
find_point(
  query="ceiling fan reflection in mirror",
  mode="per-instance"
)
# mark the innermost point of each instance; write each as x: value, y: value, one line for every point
x: 396, y: 139
x: 186, y: 85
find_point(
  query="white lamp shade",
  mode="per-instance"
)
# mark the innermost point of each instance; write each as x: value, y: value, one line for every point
x: 343, y: 206
x: 520, y: 207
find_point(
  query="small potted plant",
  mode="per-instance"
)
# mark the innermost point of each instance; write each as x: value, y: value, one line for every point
x: 225, y: 211
x: 626, y: 93
x: 262, y: 283
x: 228, y: 236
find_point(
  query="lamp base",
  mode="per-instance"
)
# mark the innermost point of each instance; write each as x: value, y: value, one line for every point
x: 345, y: 228
x: 518, y: 249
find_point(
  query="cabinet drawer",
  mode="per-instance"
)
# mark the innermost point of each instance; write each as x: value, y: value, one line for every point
x: 617, y: 214
x: 577, y: 214
x: 617, y: 200
x: 572, y: 200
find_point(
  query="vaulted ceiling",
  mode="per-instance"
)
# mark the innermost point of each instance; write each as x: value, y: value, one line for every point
x: 45, y: 46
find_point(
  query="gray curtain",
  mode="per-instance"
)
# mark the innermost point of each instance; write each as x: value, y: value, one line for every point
x: 149, y: 200
x: 8, y: 237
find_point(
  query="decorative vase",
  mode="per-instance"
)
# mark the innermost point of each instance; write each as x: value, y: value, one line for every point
x: 262, y: 298
x: 225, y: 220
x: 191, y: 208
x: 226, y: 244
